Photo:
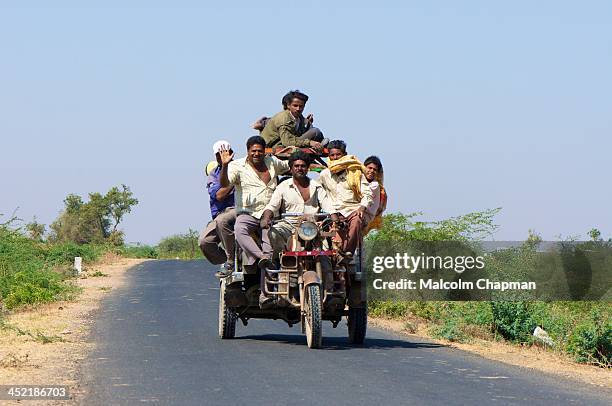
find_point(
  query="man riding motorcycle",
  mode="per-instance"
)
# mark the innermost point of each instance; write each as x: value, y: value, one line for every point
x: 300, y: 194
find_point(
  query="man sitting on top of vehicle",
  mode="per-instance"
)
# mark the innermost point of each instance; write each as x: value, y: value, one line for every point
x: 289, y: 127
x: 351, y: 195
x: 255, y: 178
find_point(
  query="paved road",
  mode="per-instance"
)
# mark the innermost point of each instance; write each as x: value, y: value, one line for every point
x: 158, y: 344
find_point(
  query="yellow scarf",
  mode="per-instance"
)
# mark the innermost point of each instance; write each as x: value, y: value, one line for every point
x: 354, y: 169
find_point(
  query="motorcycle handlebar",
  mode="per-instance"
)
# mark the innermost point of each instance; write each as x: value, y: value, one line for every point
x: 318, y: 215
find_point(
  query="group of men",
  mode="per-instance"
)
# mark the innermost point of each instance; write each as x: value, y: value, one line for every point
x: 245, y: 194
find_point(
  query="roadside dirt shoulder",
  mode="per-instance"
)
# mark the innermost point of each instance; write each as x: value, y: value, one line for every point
x: 527, y: 357
x: 44, y: 345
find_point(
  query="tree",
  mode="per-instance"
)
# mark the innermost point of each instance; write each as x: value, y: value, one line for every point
x: 192, y: 235
x: 120, y: 203
x: 595, y: 234
x: 73, y: 203
x: 94, y: 221
x: 35, y: 230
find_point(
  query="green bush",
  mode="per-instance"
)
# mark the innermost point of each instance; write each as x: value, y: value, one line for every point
x: 451, y: 329
x: 183, y: 246
x: 388, y: 309
x: 513, y: 320
x: 476, y: 313
x: 582, y: 329
x: 140, y: 251
x: 591, y: 341
x: 64, y: 253
x: 37, y: 287
x: 33, y: 272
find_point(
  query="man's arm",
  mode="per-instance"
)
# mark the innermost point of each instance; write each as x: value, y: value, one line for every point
x: 272, y: 208
x: 223, y: 192
x: 324, y: 181
x: 325, y: 202
x: 213, y: 187
x: 215, y: 190
x: 288, y: 138
x: 366, y: 195
x: 309, y: 120
x: 266, y: 219
x: 280, y: 167
x: 275, y: 202
x: 375, y: 188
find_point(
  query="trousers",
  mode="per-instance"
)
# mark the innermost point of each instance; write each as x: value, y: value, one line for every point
x: 246, y: 228
x: 216, y: 240
x: 351, y: 234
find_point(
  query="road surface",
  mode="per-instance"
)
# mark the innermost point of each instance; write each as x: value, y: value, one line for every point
x: 157, y: 343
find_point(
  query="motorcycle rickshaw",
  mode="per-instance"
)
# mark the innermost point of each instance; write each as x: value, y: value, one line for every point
x: 312, y: 283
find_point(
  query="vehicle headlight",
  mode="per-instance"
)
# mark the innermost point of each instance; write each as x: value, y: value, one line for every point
x: 308, y: 230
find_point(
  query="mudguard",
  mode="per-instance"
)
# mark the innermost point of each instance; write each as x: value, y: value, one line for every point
x: 310, y: 278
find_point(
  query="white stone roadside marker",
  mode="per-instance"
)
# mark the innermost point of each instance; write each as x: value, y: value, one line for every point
x: 77, y: 264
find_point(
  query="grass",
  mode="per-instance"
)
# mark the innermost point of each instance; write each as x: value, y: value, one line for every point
x: 37, y: 336
x: 582, y: 330
x: 34, y: 272
x: 181, y: 246
x: 140, y: 251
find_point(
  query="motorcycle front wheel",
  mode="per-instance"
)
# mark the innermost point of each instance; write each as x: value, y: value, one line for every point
x: 312, y: 318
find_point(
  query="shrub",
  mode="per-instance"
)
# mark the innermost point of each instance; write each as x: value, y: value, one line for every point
x: 591, y: 341
x: 140, y: 251
x: 183, y: 246
x: 513, y: 320
x: 65, y: 253
x: 451, y: 330
x: 30, y: 271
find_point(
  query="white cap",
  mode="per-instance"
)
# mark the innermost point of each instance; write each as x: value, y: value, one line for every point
x: 221, y: 144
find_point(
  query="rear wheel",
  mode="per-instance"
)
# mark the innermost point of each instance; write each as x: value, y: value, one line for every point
x: 312, y: 318
x: 357, y: 324
x: 227, y: 318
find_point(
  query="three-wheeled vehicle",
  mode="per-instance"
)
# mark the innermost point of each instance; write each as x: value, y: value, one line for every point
x: 312, y: 283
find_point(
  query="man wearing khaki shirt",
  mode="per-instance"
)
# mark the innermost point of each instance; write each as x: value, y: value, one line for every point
x: 300, y: 194
x: 289, y: 127
x: 255, y: 178
x: 347, y: 187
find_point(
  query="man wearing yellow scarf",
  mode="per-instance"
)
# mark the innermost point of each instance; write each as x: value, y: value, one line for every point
x: 346, y: 185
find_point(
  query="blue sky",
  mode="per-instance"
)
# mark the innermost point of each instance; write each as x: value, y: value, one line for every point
x: 471, y: 105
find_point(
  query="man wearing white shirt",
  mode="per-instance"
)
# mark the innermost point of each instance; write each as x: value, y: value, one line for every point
x: 373, y: 173
x: 300, y: 194
x: 255, y: 178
